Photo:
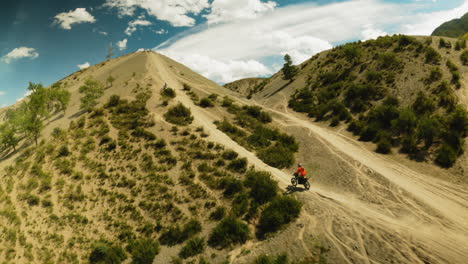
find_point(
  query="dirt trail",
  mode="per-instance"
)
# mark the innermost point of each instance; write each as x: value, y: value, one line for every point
x: 360, y: 231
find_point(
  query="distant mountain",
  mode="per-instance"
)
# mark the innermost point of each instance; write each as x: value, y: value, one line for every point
x: 453, y: 28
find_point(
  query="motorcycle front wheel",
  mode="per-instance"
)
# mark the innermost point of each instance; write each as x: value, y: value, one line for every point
x: 293, y: 182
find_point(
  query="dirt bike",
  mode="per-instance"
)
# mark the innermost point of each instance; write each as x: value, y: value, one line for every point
x: 300, y: 180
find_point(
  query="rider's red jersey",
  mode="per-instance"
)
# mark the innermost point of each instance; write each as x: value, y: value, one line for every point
x: 301, y: 171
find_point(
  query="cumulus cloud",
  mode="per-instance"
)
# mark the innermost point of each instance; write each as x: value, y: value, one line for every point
x: 122, y: 44
x: 225, y: 11
x: 26, y: 94
x: 83, y: 66
x: 132, y: 26
x: 19, y: 53
x: 77, y: 16
x: 425, y: 23
x: 300, y: 30
x: 221, y: 71
x: 175, y: 12
x: 160, y: 32
x: 370, y: 32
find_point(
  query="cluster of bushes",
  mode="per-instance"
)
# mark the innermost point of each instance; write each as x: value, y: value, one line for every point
x: 176, y: 235
x: 228, y: 232
x: 179, y: 115
x: 192, y: 248
x: 464, y: 57
x: 373, y: 115
x: 390, y: 126
x: 168, y: 93
x: 281, y: 211
x: 129, y: 115
x: 143, y: 251
x: 273, y: 147
x: 107, y: 253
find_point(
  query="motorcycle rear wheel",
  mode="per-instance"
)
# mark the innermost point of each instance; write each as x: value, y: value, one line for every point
x: 307, y: 185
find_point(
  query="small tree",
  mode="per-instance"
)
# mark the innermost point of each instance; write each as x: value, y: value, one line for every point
x: 289, y: 70
x: 110, y: 80
x: 92, y: 91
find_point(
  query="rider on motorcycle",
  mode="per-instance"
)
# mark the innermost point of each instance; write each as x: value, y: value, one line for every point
x: 301, y: 172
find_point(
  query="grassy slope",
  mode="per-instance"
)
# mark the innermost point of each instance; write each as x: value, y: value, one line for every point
x: 454, y: 28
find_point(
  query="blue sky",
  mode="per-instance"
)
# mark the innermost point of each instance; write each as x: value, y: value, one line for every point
x: 44, y: 41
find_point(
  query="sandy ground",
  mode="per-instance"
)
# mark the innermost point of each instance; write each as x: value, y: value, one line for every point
x: 368, y: 209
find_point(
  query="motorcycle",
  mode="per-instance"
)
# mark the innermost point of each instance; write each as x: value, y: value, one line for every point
x: 300, y: 180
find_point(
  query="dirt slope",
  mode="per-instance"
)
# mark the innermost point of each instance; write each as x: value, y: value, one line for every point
x: 362, y: 208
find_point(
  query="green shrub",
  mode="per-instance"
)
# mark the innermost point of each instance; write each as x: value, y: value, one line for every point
x: 460, y: 44
x: 445, y: 156
x: 423, y: 104
x: 435, y: 75
x: 464, y: 57
x: 227, y: 102
x: 179, y: 115
x: 114, y: 100
x: 229, y: 155
x: 143, y: 251
x: 432, y: 56
x: 238, y: 165
x: 281, y: 211
x: 374, y: 76
x: 176, y: 235
x: 452, y: 67
x: 231, y: 186
x: 168, y: 92
x: 257, y: 113
x: 388, y: 61
x: 228, y: 232
x: 63, y: 151
x: 218, y: 213
x: 105, y: 253
x: 384, y: 146
x: 429, y: 129
x: 279, y: 259
x: 352, y: 52
x: 406, y: 121
x: 192, y: 248
x: 262, y: 186
x: 144, y: 134
x: 206, y: 102
x: 277, y: 156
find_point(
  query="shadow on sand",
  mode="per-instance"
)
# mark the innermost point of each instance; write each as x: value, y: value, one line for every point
x: 292, y: 189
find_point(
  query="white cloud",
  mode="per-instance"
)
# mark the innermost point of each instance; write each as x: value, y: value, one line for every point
x: 83, y: 66
x: 132, y: 26
x: 103, y: 33
x: 175, y: 12
x: 299, y: 30
x: 222, y: 71
x: 225, y: 11
x: 19, y: 53
x: 122, y: 44
x: 370, y: 32
x: 140, y: 49
x: 77, y: 16
x: 2, y: 93
x: 160, y: 32
x: 26, y: 94
x: 427, y: 22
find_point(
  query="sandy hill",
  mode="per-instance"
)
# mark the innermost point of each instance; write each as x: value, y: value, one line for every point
x: 246, y: 86
x: 167, y: 155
